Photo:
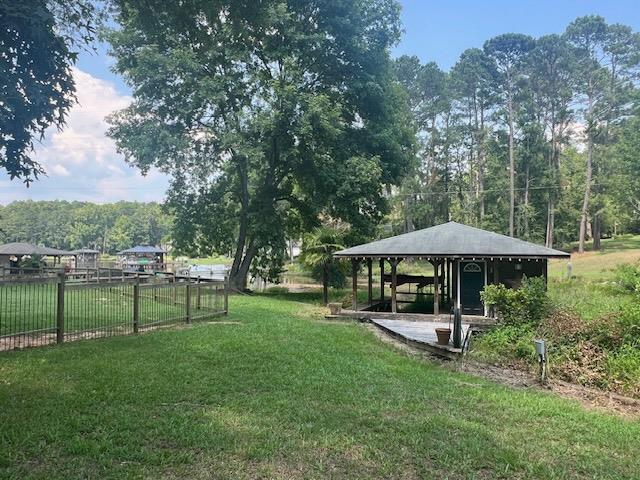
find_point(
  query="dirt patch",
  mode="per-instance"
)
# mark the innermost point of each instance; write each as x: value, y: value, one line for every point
x: 590, y: 398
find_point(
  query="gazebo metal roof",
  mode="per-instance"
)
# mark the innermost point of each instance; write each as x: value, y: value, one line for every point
x: 451, y: 240
x: 85, y: 251
x: 21, y: 248
x: 142, y: 249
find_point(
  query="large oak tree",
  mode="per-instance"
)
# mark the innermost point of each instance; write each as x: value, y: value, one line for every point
x: 266, y: 114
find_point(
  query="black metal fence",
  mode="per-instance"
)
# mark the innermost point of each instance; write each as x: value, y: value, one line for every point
x: 45, y: 309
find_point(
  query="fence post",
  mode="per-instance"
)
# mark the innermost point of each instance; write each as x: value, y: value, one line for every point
x: 60, y: 308
x: 188, y: 300
x: 136, y: 304
x: 198, y: 294
x: 174, y: 291
x: 226, y: 294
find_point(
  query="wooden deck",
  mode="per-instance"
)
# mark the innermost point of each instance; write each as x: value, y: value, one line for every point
x: 421, y: 335
x: 367, y: 316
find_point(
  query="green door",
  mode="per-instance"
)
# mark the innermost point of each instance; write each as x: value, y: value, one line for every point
x: 472, y: 276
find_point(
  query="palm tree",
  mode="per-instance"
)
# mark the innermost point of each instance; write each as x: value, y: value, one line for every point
x: 317, y: 252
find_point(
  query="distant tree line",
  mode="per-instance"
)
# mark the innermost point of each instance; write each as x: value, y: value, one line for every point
x: 71, y: 225
x: 533, y: 137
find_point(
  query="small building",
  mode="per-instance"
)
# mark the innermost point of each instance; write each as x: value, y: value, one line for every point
x: 86, y: 258
x: 464, y: 259
x: 12, y: 254
x: 142, y: 258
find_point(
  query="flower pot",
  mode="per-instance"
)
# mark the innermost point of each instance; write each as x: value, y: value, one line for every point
x: 335, y: 308
x: 443, y: 335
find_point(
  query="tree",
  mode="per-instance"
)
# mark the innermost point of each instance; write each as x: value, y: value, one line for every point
x: 473, y: 77
x: 39, y: 42
x: 317, y: 252
x: 266, y: 114
x: 551, y: 67
x: 509, y: 55
x: 427, y: 88
x: 608, y: 58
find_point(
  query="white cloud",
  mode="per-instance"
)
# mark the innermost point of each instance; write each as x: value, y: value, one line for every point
x: 60, y: 170
x: 81, y: 161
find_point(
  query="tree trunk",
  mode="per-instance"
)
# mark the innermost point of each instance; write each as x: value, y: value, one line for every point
x: 587, y: 194
x: 597, y: 231
x: 550, y: 223
x: 238, y: 278
x: 325, y: 283
x: 512, y: 170
x: 244, y: 217
x: 481, y: 165
x: 526, y: 204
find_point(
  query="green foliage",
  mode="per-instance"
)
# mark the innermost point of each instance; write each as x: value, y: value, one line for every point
x: 509, y: 108
x: 627, y: 277
x: 32, y: 262
x: 623, y: 368
x: 528, y: 304
x: 39, y: 41
x: 506, y: 342
x: 592, y: 330
x: 72, y: 225
x: 268, y: 115
x: 317, y: 252
x: 275, y: 392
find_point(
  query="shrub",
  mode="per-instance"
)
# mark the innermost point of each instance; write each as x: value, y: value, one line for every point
x: 627, y: 277
x: 630, y: 323
x: 562, y: 326
x: 277, y: 290
x: 527, y: 304
x: 623, y: 368
x: 32, y: 262
x: 506, y: 342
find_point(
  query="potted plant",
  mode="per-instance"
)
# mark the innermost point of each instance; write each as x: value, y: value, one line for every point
x: 443, y: 335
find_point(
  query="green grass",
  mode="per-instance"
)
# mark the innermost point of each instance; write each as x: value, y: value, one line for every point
x: 29, y: 307
x: 591, y: 293
x: 213, y: 260
x: 599, y: 265
x: 588, y: 299
x: 284, y: 394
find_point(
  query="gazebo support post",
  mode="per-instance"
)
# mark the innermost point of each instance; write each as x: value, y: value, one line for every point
x: 457, y: 317
x: 449, y: 281
x: 382, y: 280
x: 370, y: 281
x: 436, y: 288
x: 394, y: 282
x: 325, y: 284
x: 354, y: 277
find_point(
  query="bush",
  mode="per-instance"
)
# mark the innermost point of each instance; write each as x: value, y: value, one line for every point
x: 630, y: 322
x: 277, y: 290
x: 506, y: 342
x: 623, y: 369
x: 527, y: 304
x: 627, y: 277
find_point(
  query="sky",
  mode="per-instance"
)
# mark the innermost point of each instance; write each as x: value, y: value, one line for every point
x: 83, y: 164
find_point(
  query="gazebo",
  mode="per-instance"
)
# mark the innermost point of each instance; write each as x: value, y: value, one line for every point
x: 86, y: 258
x: 143, y: 257
x: 12, y: 253
x: 464, y: 260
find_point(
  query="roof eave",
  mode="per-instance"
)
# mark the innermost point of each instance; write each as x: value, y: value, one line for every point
x: 447, y: 255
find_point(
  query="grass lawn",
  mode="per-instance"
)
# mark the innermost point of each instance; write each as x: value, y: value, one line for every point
x: 29, y: 307
x: 274, y: 391
x: 599, y: 265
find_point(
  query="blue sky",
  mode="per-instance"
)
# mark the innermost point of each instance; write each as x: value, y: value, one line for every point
x: 82, y: 164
